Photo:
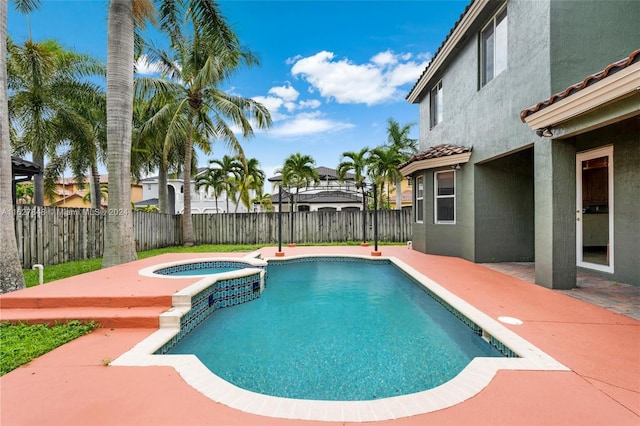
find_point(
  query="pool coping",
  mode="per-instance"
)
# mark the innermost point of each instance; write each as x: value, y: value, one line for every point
x: 469, y: 382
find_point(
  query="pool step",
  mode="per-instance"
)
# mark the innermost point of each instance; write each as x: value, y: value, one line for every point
x: 9, y: 301
x: 138, y: 317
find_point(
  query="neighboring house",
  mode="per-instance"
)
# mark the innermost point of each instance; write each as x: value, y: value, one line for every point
x: 562, y: 190
x: 329, y: 194
x: 69, y: 193
x: 407, y: 195
x: 202, y: 201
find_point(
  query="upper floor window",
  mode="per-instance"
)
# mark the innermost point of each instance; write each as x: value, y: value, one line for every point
x: 435, y: 104
x: 419, y: 199
x: 445, y: 197
x: 493, y: 47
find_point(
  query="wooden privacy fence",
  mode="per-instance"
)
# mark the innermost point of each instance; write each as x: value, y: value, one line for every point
x: 50, y: 235
x: 308, y: 227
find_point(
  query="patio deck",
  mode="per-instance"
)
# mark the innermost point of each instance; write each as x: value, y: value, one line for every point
x: 71, y: 385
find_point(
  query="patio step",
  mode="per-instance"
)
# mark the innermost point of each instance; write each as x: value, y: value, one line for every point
x: 8, y: 301
x: 138, y: 317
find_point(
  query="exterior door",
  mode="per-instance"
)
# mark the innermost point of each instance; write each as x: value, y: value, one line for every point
x: 594, y: 209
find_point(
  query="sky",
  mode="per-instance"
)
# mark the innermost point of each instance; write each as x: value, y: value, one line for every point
x: 331, y: 72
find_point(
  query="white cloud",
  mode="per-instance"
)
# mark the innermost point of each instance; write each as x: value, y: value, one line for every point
x: 378, y: 81
x: 306, y: 124
x: 144, y: 67
x: 385, y: 58
x: 311, y: 103
x: 288, y: 93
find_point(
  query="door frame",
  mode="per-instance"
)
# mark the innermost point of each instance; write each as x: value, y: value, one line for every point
x: 604, y: 151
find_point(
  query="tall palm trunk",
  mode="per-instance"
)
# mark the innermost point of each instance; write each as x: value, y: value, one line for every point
x: 96, y: 194
x: 398, y: 185
x: 163, y: 190
x: 187, y: 224
x: 38, y: 180
x: 119, y: 245
x: 11, y: 277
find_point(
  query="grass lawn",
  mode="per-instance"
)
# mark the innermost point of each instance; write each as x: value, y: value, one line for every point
x: 21, y: 343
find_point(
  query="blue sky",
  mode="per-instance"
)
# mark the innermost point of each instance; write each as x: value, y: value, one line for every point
x: 331, y: 72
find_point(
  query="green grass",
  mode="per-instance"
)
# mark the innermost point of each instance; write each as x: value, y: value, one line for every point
x: 69, y: 269
x: 21, y: 343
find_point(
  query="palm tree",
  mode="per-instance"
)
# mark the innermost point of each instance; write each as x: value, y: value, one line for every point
x: 212, y: 180
x: 358, y: 163
x: 384, y: 164
x: 298, y: 171
x: 230, y: 168
x: 119, y: 245
x: 265, y: 202
x: 196, y: 66
x: 45, y: 90
x: 251, y: 179
x: 398, y: 137
x: 11, y: 277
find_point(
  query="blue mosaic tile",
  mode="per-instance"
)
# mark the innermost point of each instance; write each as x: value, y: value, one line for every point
x: 206, y: 265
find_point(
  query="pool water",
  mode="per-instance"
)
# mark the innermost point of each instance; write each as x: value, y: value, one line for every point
x: 336, y: 330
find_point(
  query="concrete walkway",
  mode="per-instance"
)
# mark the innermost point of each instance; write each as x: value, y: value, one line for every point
x: 72, y: 386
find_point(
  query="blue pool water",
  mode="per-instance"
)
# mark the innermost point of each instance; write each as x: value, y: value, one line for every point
x: 336, y: 331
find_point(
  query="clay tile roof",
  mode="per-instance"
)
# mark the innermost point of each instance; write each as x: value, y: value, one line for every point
x: 574, y: 88
x: 442, y: 150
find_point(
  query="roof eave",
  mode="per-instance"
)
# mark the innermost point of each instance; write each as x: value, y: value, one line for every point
x: 432, y: 163
x: 447, y: 48
x: 615, y: 87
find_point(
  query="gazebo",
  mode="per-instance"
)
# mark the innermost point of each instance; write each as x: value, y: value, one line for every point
x: 22, y: 171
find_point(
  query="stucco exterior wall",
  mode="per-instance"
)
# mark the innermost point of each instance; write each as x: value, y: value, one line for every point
x: 589, y: 35
x: 486, y: 118
x: 625, y: 138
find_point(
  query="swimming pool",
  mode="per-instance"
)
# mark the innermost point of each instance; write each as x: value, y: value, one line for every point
x: 471, y: 380
x: 340, y: 329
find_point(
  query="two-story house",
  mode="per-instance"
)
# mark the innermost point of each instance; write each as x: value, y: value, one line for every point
x: 562, y: 189
x: 329, y: 194
x: 202, y: 200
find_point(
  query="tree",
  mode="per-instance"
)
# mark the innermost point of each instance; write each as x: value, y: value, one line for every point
x: 298, y: 171
x: 46, y: 88
x: 251, y: 179
x: 398, y: 137
x: 11, y: 277
x: 212, y: 180
x: 383, y: 167
x: 230, y: 168
x: 357, y: 162
x: 200, y: 59
x: 119, y: 245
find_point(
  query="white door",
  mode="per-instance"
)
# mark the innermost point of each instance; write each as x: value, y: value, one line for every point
x: 594, y: 209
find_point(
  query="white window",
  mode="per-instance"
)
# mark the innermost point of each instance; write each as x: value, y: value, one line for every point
x: 445, y: 197
x: 419, y: 199
x: 493, y: 47
x: 436, y: 104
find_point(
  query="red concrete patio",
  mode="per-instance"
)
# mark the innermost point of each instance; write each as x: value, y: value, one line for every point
x: 72, y: 386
